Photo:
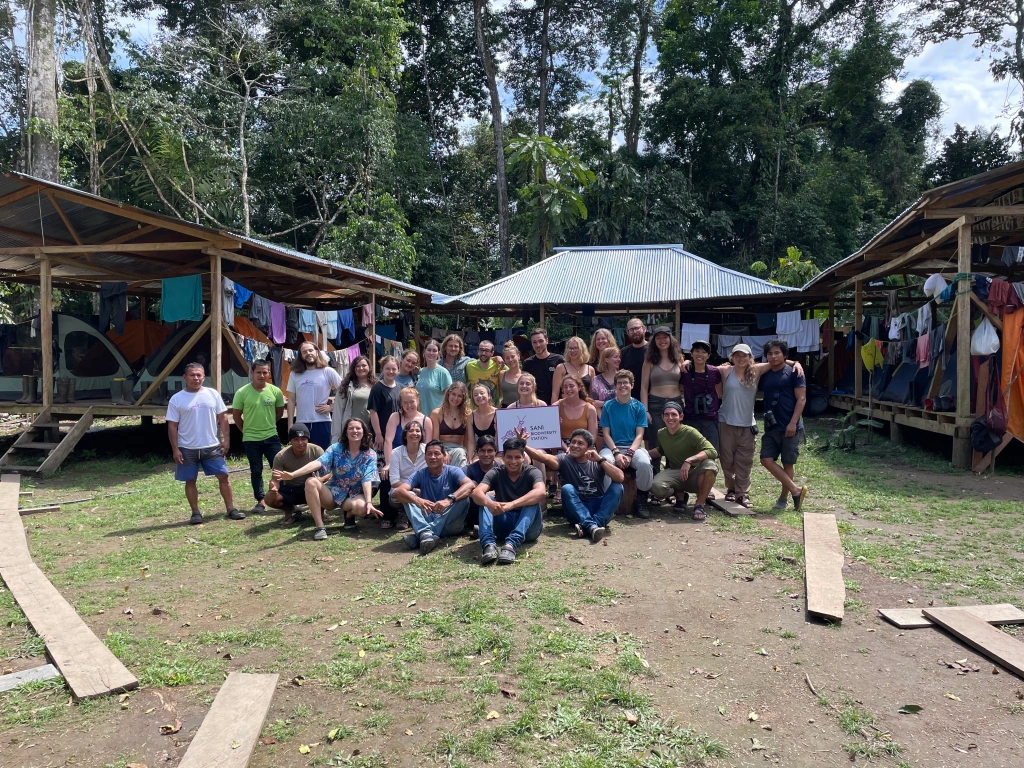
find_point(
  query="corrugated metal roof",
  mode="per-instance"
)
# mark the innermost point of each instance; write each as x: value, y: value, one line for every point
x: 617, y: 275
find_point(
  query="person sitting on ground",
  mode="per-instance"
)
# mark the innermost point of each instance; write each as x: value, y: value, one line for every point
x: 486, y: 370
x: 484, y: 417
x: 785, y: 394
x: 591, y: 484
x: 408, y: 368
x: 691, y: 462
x: 194, y: 416
x: 486, y: 460
x: 576, y: 363
x: 450, y: 423
x: 256, y: 408
x: 309, y: 393
x: 512, y: 513
x: 436, y: 500
x: 288, y: 494
x: 623, y: 422
x: 353, y: 469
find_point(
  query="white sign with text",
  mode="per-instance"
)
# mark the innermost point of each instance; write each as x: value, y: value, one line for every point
x: 541, y: 423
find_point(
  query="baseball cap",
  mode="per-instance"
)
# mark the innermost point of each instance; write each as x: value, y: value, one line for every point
x: 702, y: 344
x: 298, y: 430
x: 662, y: 329
x: 741, y: 348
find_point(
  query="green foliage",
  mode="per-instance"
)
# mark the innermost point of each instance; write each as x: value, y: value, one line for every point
x: 793, y: 270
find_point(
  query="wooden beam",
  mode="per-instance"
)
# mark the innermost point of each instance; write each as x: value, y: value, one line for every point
x: 118, y: 274
x: 963, y: 357
x: 678, y: 324
x: 858, y: 323
x: 983, y: 637
x: 203, y: 327
x: 46, y: 328
x: 125, y: 237
x: 217, y: 321
x: 416, y: 333
x: 984, y: 309
x: 940, y: 236
x: 233, y: 346
x: 63, y: 217
x: 830, y: 343
x: 308, y: 277
x: 190, y: 245
x: 823, y: 565
x: 913, y: 618
x: 983, y: 210
x: 14, y: 197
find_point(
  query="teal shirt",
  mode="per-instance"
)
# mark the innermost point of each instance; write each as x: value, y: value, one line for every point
x: 431, y: 386
x: 623, y: 419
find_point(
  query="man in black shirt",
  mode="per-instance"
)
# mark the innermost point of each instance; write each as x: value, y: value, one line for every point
x: 542, y: 365
x: 513, y: 511
x: 486, y: 456
x: 633, y: 354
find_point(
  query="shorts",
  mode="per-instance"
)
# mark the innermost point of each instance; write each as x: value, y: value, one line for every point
x: 292, y: 495
x: 319, y: 433
x: 211, y: 459
x: 775, y: 444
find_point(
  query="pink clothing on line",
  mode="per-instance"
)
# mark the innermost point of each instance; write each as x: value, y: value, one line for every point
x: 923, y: 345
x: 278, y: 323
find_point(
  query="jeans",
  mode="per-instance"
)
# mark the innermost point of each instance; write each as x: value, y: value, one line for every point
x: 590, y: 513
x: 255, y: 450
x: 640, y: 463
x: 448, y: 524
x: 516, y: 527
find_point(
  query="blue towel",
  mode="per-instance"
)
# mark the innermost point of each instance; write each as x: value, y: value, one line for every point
x: 181, y: 298
x: 241, y: 296
x: 765, y: 320
x: 307, y: 321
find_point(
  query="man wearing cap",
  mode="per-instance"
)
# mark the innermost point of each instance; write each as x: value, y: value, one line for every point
x: 700, y: 391
x: 256, y: 408
x: 287, y: 494
x: 691, y: 462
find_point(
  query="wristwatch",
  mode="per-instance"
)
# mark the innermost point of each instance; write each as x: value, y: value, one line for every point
x: 451, y: 497
x: 601, y: 459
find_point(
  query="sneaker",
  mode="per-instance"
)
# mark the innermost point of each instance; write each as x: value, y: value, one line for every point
x: 350, y: 523
x: 427, y: 544
x: 411, y: 541
x: 402, y: 523
x: 798, y: 501
x: 681, y: 501
x: 259, y: 509
x: 196, y: 519
x: 642, y: 508
x: 781, y: 504
x: 490, y: 554
x: 596, y: 533
x: 507, y: 555
x: 319, y: 534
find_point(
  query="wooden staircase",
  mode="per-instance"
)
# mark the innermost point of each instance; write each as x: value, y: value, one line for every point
x: 45, y: 439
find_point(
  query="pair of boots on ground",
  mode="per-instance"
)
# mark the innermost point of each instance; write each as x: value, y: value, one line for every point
x: 65, y: 390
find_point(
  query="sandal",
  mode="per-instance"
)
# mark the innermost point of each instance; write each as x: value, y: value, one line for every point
x: 730, y: 495
x: 698, y: 512
x: 744, y: 501
x: 387, y: 524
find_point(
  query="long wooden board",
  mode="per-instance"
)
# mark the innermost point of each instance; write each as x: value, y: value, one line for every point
x: 983, y: 637
x: 14, y: 679
x: 228, y: 735
x: 88, y: 666
x: 913, y: 618
x: 823, y: 564
x: 730, y: 508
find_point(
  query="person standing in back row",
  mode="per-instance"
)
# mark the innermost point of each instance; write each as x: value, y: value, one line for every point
x: 309, y: 393
x: 543, y: 364
x: 256, y: 408
x: 634, y: 354
x: 785, y: 394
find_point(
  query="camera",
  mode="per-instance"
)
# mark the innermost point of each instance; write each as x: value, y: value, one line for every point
x: 701, y: 405
x: 770, y: 421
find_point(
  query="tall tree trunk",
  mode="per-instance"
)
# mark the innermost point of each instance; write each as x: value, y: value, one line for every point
x: 94, y: 146
x: 41, y: 91
x: 645, y: 13
x: 501, y: 180
x: 542, y: 103
x: 18, y: 78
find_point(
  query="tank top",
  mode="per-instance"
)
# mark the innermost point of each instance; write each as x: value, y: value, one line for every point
x: 567, y: 425
x: 492, y: 428
x: 586, y: 379
x: 398, y: 432
x: 662, y: 378
x: 444, y: 429
x: 509, y: 391
x: 737, y: 408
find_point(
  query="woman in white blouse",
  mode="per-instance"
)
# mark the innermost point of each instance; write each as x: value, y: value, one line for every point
x: 406, y: 459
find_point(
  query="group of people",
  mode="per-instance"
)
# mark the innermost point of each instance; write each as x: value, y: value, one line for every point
x: 422, y: 438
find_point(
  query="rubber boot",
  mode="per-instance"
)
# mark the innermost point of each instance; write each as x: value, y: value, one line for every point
x: 70, y: 394
x: 24, y: 390
x: 160, y: 396
x: 117, y: 392
x: 28, y: 383
x: 127, y: 391
x: 62, y: 392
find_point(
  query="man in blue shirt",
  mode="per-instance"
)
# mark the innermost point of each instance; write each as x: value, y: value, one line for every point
x: 623, y: 422
x: 438, y: 506
x: 785, y: 394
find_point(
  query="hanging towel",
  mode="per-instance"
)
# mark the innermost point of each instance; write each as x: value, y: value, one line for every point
x: 787, y: 322
x: 924, y: 319
x: 691, y: 332
x: 259, y: 313
x: 321, y: 327
x: 228, y: 302
x: 307, y: 321
x: 346, y: 323
x: 756, y: 344
x: 291, y: 315
x: 726, y: 343
x: 501, y: 336
x: 278, y: 323
x: 923, y: 357
x: 332, y: 324
x: 353, y: 353
x: 181, y: 298
x: 241, y: 296
x: 438, y: 333
x: 808, y: 337
x: 368, y: 314
x: 765, y: 320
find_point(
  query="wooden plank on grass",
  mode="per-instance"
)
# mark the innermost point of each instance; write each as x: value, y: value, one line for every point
x: 730, y: 508
x: 823, y: 559
x: 87, y: 664
x: 983, y: 637
x: 912, y: 618
x: 14, y: 679
x: 228, y: 735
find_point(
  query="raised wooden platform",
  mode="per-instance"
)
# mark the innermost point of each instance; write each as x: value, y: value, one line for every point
x: 904, y: 415
x: 100, y: 408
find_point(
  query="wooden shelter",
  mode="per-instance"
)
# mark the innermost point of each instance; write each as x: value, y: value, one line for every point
x: 935, y: 235
x: 54, y: 236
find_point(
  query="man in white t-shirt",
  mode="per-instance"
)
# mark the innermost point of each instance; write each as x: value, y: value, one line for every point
x: 193, y: 417
x: 309, y: 393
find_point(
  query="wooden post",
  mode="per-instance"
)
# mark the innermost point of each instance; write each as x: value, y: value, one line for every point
x: 216, y: 321
x: 830, y: 342
x: 679, y: 325
x: 416, y: 331
x: 142, y: 307
x: 203, y: 328
x: 961, y: 441
x: 858, y: 320
x: 372, y: 332
x: 46, y: 328
x: 542, y: 316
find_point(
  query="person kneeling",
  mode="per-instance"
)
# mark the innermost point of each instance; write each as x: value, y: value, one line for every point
x: 288, y: 494
x: 586, y: 502
x: 691, y: 462
x: 513, y: 512
x: 352, y: 465
x: 439, y: 505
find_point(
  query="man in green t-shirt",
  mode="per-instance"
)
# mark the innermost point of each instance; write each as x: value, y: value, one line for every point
x: 691, y: 462
x: 486, y: 370
x: 256, y: 409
